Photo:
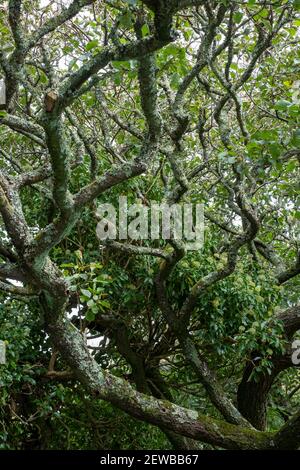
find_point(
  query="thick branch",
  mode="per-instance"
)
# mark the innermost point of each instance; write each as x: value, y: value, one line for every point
x: 118, y: 392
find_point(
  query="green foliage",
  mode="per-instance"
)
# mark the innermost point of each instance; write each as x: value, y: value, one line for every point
x: 253, y: 145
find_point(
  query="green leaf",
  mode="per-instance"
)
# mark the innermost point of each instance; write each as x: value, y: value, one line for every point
x: 126, y: 19
x: 297, y: 215
x: 264, y: 13
x: 295, y: 140
x: 122, y: 65
x: 275, y: 150
x: 297, y: 4
x: 145, y: 30
x: 237, y: 17
x: 91, y: 44
x: 104, y: 303
x: 86, y: 293
x: 95, y: 309
x: 282, y: 104
x: 90, y: 315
